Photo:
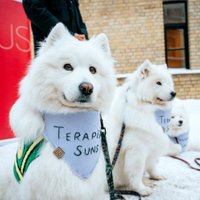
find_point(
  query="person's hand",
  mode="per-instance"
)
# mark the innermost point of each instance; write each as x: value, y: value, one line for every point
x: 80, y: 37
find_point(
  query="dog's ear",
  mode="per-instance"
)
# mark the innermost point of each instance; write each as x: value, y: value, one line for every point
x: 145, y: 69
x: 59, y: 31
x: 101, y: 41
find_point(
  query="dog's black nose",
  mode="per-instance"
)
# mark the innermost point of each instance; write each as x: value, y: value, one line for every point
x: 180, y: 122
x: 173, y: 94
x: 86, y: 88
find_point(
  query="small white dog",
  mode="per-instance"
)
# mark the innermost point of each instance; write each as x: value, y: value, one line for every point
x: 178, y: 129
x: 148, y: 89
x: 67, y: 77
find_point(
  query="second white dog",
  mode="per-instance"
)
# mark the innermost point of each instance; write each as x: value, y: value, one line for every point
x: 179, y: 129
x: 148, y: 89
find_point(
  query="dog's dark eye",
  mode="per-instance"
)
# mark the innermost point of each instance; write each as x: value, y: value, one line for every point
x: 172, y: 117
x: 68, y: 67
x: 158, y: 83
x: 92, y: 70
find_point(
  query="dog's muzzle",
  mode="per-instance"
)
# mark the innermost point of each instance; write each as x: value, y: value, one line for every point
x: 86, y: 89
x: 180, y: 122
x: 173, y: 94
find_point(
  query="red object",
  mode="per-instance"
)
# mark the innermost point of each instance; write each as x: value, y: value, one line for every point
x: 15, y: 53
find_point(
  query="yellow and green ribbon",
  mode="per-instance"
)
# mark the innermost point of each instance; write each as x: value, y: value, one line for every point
x: 25, y: 155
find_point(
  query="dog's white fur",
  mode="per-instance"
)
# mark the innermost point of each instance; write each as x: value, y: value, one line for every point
x: 48, y: 87
x: 150, y: 87
x: 179, y: 124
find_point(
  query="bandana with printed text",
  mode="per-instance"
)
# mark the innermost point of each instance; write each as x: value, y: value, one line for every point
x: 78, y: 135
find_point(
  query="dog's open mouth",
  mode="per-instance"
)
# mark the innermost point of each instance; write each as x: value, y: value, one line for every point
x: 159, y: 99
x: 84, y: 99
x: 80, y: 99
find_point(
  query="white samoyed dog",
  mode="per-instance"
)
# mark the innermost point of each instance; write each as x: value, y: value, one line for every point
x: 67, y: 76
x: 145, y: 91
x: 179, y: 129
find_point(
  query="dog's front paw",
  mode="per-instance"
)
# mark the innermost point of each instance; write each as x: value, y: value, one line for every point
x: 175, y: 149
x: 145, y: 191
x: 158, y: 177
x: 148, y: 182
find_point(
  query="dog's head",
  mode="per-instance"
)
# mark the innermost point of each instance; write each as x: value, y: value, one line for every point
x: 179, y: 122
x: 154, y: 84
x: 70, y: 74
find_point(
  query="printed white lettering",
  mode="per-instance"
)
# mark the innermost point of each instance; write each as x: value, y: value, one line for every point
x: 23, y: 38
x: 16, y: 33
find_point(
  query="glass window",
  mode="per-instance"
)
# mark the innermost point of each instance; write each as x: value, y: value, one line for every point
x: 175, y: 47
x: 175, y: 38
x: 176, y: 34
x: 176, y: 58
x: 174, y: 13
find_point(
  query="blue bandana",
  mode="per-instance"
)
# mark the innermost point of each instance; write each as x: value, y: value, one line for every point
x: 182, y: 140
x: 77, y: 136
x: 163, y: 118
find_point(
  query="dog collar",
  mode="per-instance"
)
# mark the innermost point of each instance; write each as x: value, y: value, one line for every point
x: 75, y: 138
x: 163, y: 118
x: 182, y: 140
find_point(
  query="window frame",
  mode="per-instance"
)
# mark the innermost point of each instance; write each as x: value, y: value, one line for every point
x: 182, y: 26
